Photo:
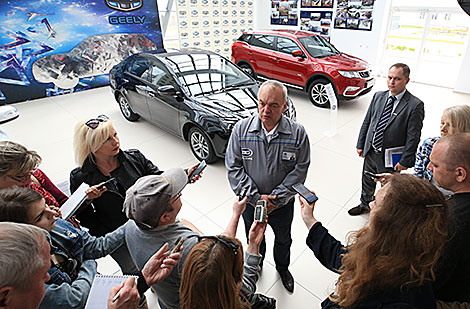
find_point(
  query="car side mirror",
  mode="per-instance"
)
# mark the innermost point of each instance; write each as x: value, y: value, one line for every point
x: 298, y: 53
x: 167, y: 90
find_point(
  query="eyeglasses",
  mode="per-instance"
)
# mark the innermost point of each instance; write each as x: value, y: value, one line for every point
x: 19, y: 178
x: 227, y: 242
x: 95, y: 122
x: 177, y: 196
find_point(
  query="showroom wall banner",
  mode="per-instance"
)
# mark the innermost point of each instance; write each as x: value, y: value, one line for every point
x: 316, y: 4
x: 284, y: 12
x: 316, y: 21
x: 354, y: 14
x: 213, y: 25
x: 55, y: 47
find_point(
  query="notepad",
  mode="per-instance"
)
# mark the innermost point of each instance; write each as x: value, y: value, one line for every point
x: 69, y: 208
x: 100, y: 289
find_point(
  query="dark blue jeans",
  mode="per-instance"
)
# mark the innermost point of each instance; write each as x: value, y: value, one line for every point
x: 280, y: 221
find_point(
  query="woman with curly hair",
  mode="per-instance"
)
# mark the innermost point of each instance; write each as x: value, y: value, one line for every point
x: 390, y: 262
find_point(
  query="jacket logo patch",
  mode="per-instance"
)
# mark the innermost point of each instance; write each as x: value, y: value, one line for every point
x: 247, y: 154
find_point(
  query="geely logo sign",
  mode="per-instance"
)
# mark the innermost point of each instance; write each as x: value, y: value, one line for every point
x: 124, y: 5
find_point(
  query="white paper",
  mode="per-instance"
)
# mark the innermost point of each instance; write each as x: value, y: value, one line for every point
x: 99, y: 293
x: 74, y: 201
x: 333, y: 110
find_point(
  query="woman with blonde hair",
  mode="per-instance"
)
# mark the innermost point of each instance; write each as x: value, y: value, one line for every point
x: 100, y: 158
x: 389, y: 263
x: 19, y: 167
x: 455, y: 119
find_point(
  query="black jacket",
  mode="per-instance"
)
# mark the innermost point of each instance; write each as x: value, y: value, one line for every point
x: 329, y: 252
x: 105, y: 214
x: 453, y: 273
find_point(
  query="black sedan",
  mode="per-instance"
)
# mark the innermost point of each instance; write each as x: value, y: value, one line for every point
x: 195, y: 94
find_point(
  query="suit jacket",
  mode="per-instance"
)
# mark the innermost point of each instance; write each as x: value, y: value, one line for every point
x: 403, y: 128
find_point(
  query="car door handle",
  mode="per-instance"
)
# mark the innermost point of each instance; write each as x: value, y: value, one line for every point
x: 152, y: 94
x: 125, y: 80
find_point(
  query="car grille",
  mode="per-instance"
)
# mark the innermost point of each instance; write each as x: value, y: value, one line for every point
x: 364, y: 74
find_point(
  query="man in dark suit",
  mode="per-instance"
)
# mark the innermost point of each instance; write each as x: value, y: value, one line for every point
x: 394, y: 119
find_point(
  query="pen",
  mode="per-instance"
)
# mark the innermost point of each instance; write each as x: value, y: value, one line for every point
x: 118, y: 293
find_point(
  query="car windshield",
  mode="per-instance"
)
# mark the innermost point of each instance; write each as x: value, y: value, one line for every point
x: 318, y: 47
x: 206, y: 73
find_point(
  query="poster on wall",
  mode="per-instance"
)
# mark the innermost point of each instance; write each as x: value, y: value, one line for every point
x: 284, y: 12
x: 316, y: 4
x: 55, y: 47
x: 354, y: 14
x: 316, y: 21
x: 213, y: 25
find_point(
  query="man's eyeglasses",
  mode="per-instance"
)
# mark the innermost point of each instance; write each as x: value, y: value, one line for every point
x: 226, y: 241
x: 95, y: 122
x: 177, y: 196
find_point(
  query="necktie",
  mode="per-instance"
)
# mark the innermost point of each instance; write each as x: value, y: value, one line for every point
x: 379, y: 131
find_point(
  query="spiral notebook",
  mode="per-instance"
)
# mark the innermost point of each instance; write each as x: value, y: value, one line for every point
x: 99, y: 293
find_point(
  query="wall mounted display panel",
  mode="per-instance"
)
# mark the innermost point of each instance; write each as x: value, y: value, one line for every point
x: 354, y: 14
x: 284, y: 12
x: 316, y: 4
x: 56, y: 47
x: 213, y: 24
x: 316, y: 21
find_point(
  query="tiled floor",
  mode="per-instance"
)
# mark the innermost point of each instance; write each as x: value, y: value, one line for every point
x: 46, y: 125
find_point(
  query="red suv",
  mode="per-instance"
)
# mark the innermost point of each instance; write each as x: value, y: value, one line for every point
x: 304, y: 60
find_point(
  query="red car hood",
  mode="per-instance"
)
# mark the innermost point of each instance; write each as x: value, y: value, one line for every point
x: 344, y: 62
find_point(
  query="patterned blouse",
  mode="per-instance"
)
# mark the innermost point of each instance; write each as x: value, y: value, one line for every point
x: 422, y: 158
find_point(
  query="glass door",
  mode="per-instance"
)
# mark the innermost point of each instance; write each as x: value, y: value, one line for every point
x: 431, y: 42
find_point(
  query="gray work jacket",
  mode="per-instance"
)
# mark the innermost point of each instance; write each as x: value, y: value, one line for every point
x: 265, y: 167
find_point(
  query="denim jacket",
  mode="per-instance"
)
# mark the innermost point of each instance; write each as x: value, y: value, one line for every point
x: 69, y: 242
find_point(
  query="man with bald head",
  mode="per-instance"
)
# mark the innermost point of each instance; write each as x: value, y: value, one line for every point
x: 268, y: 153
x: 450, y: 165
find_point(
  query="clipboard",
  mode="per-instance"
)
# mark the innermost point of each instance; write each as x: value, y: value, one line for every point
x: 69, y: 208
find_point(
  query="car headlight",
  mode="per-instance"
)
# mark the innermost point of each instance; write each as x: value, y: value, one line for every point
x: 350, y: 74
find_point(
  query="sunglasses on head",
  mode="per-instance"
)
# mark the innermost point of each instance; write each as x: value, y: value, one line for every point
x: 227, y: 242
x: 95, y: 122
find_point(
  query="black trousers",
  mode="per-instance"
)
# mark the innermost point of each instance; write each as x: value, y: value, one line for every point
x: 373, y: 162
x: 280, y: 221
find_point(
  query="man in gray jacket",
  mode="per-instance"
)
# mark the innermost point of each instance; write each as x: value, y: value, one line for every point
x: 267, y: 154
x: 394, y: 119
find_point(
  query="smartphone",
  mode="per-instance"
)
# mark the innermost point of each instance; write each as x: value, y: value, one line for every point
x: 110, y: 180
x: 177, y: 246
x: 260, y: 211
x: 202, y: 165
x: 367, y: 173
x: 305, y: 193
x: 242, y: 194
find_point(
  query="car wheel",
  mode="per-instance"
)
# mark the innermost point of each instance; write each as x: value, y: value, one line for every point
x: 126, y: 109
x: 317, y: 93
x: 247, y: 69
x: 201, y: 146
x: 357, y: 15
